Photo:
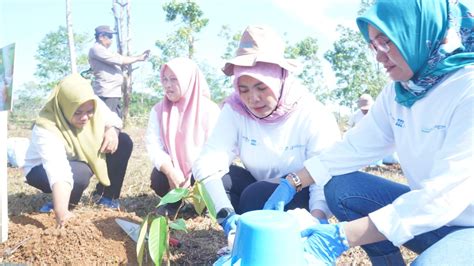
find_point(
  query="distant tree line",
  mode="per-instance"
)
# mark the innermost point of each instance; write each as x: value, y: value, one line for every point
x: 355, y: 69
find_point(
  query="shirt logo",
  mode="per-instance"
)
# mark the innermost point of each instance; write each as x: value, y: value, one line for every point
x: 400, y: 123
x: 435, y: 127
x: 290, y: 148
x: 252, y: 142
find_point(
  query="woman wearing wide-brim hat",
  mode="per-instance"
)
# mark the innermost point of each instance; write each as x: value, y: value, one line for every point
x: 272, y: 124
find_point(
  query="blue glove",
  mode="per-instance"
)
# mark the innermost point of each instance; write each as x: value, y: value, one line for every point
x: 325, y: 241
x: 283, y: 193
x: 230, y: 223
x: 323, y: 221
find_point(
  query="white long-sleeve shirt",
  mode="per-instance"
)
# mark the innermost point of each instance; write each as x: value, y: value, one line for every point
x: 155, y: 145
x: 434, y: 141
x: 48, y: 149
x: 266, y: 150
x: 355, y: 118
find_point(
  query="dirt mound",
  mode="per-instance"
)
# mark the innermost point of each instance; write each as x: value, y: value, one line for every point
x: 94, y: 238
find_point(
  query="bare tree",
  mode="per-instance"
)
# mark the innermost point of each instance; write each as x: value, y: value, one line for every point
x: 121, y: 10
x: 70, y: 37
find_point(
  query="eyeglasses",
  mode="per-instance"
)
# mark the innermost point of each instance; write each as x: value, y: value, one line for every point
x: 381, y: 44
x: 108, y: 35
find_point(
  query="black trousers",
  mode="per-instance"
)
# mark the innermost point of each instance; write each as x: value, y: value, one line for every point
x: 81, y: 173
x: 248, y: 194
x: 161, y: 186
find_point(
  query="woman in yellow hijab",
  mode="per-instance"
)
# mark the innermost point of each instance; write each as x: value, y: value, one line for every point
x: 75, y: 137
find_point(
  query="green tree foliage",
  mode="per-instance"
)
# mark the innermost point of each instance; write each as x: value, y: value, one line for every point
x: 216, y: 82
x: 182, y: 41
x: 306, y: 52
x: 141, y: 104
x: 28, y: 102
x: 364, y: 5
x: 232, y: 41
x: 222, y: 86
x: 355, y: 68
x: 53, y: 56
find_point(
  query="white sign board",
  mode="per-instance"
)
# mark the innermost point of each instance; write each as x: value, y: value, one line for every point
x: 7, y: 55
x: 3, y: 177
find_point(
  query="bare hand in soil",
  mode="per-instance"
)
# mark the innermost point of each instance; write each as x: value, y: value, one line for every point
x: 60, y: 222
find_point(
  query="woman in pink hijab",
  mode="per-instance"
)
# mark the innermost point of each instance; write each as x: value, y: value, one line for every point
x: 271, y: 123
x: 179, y: 125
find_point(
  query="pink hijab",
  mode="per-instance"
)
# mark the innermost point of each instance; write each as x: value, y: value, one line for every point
x: 184, y: 124
x: 290, y: 94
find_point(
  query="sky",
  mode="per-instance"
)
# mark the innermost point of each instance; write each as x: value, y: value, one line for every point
x: 26, y: 22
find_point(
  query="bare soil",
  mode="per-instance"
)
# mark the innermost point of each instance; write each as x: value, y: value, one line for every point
x: 93, y: 238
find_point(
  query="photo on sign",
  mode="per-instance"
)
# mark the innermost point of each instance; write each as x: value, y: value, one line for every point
x: 7, y: 56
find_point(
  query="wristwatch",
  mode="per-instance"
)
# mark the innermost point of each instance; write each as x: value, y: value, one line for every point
x: 296, y: 181
x: 223, y: 213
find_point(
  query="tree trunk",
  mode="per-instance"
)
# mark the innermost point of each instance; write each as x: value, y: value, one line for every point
x: 127, y: 94
x: 123, y: 48
x: 117, y: 10
x: 70, y: 37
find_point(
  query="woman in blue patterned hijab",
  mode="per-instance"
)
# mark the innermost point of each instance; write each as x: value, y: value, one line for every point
x: 427, y: 116
x: 434, y: 37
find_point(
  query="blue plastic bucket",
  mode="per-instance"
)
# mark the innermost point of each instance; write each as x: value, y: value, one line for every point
x: 267, y: 237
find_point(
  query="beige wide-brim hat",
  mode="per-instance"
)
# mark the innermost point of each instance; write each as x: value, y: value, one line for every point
x: 260, y: 44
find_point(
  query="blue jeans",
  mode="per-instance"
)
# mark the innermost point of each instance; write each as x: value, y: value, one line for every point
x: 355, y: 195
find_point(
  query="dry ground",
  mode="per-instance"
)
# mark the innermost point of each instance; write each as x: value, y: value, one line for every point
x: 93, y: 237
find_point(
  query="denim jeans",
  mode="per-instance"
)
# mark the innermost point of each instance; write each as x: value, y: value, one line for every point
x: 355, y: 195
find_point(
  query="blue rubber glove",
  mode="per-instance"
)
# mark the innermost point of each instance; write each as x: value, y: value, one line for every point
x: 230, y: 223
x: 323, y: 221
x: 325, y: 241
x: 283, y: 193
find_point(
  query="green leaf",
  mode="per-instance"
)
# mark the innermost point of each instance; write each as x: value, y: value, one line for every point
x: 141, y: 240
x: 52, y: 55
x: 198, y: 200
x: 207, y: 200
x: 158, y: 239
x: 173, y: 196
x: 179, y: 225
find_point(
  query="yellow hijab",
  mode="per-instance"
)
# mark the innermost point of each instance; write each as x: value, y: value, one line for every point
x: 81, y: 144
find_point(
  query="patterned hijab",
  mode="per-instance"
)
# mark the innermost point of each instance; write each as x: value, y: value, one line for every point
x: 435, y: 37
x: 290, y: 94
x: 81, y: 144
x: 184, y: 124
